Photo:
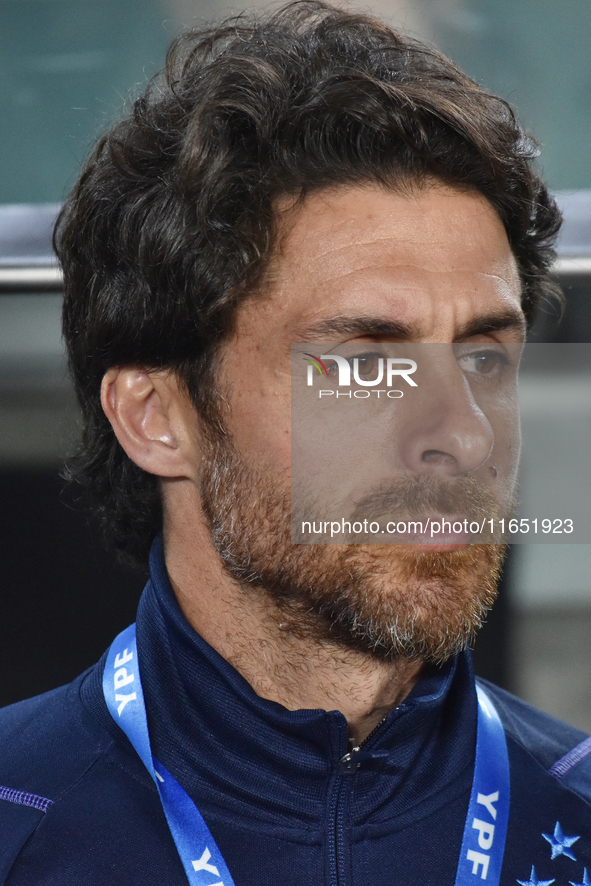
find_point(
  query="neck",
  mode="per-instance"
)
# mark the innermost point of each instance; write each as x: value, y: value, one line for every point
x: 248, y: 630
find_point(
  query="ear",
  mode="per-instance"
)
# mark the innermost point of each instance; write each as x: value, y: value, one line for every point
x: 153, y: 420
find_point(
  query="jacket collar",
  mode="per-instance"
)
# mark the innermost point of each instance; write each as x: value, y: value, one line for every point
x: 214, y: 733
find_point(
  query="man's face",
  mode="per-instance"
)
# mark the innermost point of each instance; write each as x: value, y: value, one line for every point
x: 359, y: 266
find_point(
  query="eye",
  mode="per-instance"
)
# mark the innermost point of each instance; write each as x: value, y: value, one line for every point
x: 485, y: 363
x: 367, y: 365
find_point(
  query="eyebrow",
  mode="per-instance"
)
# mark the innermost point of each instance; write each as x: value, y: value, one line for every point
x: 506, y: 321
x: 377, y: 327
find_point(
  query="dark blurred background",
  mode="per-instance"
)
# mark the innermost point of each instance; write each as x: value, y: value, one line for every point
x: 68, y: 67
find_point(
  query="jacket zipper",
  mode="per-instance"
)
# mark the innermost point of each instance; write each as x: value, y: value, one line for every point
x: 346, y: 767
x: 349, y: 759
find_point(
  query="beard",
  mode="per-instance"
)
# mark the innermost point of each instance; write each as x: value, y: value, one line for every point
x: 389, y: 601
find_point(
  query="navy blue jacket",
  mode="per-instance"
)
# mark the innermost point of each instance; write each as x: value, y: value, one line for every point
x: 77, y: 807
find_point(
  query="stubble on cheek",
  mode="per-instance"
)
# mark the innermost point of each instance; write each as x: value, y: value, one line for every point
x: 388, y: 601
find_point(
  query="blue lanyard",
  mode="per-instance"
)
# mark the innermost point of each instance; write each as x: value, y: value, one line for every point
x: 485, y: 831
x: 483, y: 845
x: 202, y: 860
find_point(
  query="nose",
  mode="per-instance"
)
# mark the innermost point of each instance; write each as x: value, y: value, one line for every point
x: 445, y: 431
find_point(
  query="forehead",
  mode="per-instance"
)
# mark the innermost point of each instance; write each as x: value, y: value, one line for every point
x: 431, y: 260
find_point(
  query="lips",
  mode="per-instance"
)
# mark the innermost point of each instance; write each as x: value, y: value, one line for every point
x: 437, y: 541
x: 437, y: 532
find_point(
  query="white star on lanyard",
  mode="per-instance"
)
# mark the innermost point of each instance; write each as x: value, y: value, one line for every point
x: 560, y: 844
x: 586, y: 880
x: 533, y: 880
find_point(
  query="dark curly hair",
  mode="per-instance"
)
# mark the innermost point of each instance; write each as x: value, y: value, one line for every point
x: 172, y: 223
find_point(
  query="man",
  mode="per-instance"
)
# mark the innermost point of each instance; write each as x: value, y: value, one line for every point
x: 294, y: 713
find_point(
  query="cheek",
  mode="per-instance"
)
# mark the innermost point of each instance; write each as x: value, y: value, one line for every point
x: 259, y: 422
x: 507, y: 446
